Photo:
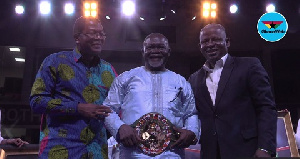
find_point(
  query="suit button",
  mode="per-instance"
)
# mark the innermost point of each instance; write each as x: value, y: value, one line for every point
x: 215, y: 133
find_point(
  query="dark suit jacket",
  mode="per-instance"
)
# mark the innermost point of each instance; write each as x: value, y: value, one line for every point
x: 244, y: 117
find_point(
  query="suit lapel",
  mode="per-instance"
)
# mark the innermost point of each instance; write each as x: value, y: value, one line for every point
x: 225, y: 75
x: 203, y: 87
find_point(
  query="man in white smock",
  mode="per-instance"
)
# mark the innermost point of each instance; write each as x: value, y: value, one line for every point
x: 152, y: 88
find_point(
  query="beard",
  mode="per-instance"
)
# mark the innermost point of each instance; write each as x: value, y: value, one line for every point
x: 157, y: 65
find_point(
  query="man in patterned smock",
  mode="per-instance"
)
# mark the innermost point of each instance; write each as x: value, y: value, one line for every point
x: 152, y: 88
x: 68, y: 91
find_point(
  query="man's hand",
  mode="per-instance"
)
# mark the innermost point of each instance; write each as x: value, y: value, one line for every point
x: 93, y: 110
x: 128, y: 136
x: 18, y: 142
x: 261, y: 153
x: 186, y: 138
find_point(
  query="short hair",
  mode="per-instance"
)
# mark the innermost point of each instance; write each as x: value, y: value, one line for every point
x: 80, y: 24
x: 219, y: 26
x: 156, y: 34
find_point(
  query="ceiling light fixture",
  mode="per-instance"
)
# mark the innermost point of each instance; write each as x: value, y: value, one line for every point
x: 20, y: 59
x: 15, y: 49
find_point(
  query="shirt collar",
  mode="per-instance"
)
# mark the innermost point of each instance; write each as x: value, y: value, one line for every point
x: 76, y: 54
x: 219, y: 64
x: 155, y: 72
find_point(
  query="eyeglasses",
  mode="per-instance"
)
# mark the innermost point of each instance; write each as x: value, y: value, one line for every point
x: 95, y: 34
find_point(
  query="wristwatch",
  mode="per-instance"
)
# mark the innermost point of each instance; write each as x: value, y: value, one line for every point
x: 265, y: 151
x: 195, y: 141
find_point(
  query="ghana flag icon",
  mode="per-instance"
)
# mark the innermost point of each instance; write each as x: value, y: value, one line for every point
x: 272, y: 24
x: 272, y: 20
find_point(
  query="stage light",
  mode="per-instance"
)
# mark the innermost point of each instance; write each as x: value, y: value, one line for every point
x: 206, y: 6
x: 20, y: 59
x: 14, y: 49
x: 93, y: 13
x: 45, y: 7
x: 270, y: 8
x: 206, y: 14
x: 194, y: 18
x: 162, y: 18
x: 107, y: 17
x: 87, y: 5
x: 19, y: 9
x: 87, y: 13
x: 93, y: 6
x: 233, y: 8
x: 213, y: 6
x: 128, y: 8
x: 173, y: 11
x: 209, y: 10
x: 69, y: 8
x: 90, y: 9
x: 213, y: 14
x: 141, y: 18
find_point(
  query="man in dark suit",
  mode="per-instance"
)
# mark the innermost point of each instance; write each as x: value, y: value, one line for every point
x: 235, y: 102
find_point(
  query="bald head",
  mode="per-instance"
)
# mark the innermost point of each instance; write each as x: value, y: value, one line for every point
x: 81, y: 23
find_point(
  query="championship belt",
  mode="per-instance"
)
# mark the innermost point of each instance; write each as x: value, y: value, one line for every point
x: 156, y: 133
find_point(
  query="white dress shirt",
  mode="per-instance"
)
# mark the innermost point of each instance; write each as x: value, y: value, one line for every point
x: 213, y: 77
